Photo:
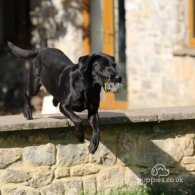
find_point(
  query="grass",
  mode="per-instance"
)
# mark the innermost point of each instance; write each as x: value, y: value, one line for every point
x: 141, y: 190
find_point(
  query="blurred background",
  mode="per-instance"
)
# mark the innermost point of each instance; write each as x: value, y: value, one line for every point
x: 152, y: 42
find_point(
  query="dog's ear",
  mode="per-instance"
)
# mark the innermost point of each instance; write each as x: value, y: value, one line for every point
x: 111, y: 58
x: 85, y: 61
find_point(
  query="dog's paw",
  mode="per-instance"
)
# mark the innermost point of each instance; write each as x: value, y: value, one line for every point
x: 93, y: 146
x: 28, y: 114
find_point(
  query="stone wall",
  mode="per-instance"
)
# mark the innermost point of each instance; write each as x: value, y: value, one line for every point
x: 155, y: 29
x: 40, y: 157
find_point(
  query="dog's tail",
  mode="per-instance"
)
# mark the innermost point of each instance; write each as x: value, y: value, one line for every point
x: 22, y: 52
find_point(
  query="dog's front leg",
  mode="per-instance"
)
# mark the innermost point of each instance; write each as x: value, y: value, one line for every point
x: 93, y: 120
x: 68, y: 112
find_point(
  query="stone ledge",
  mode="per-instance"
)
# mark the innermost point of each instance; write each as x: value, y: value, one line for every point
x: 18, y: 122
x: 185, y: 52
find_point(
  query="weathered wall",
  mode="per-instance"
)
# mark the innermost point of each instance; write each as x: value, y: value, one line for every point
x: 58, y: 23
x: 51, y: 162
x: 155, y: 29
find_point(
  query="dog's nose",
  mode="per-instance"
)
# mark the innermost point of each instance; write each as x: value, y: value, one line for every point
x: 118, y: 79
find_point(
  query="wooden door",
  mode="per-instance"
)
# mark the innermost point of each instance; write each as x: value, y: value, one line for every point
x: 108, y: 100
x: 15, y: 22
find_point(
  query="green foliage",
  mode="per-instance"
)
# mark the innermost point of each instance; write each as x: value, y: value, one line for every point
x: 142, y: 190
x: 157, y: 189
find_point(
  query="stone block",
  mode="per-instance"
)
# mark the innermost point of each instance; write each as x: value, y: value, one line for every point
x: 72, y: 154
x: 68, y: 186
x: 86, y: 169
x: 73, y: 186
x: 15, y: 190
x: 189, y: 160
x: 111, y: 177
x: 188, y: 145
x: 104, y: 155
x: 9, y: 156
x: 40, y: 155
x: 188, y: 163
x: 117, y: 177
x: 127, y: 141
x: 15, y: 176
x: 149, y: 149
x: 41, y: 177
x: 62, y: 172
x: 56, y: 188
x: 89, y: 185
x: 132, y: 177
x: 38, y: 138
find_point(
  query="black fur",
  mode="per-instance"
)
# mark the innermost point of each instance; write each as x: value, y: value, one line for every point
x: 75, y: 87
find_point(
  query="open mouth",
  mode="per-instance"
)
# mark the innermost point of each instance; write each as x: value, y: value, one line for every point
x: 112, y: 86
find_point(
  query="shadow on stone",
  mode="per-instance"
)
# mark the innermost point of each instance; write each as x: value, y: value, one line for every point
x: 127, y: 155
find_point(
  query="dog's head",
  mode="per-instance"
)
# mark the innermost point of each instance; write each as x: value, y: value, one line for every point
x: 102, y: 68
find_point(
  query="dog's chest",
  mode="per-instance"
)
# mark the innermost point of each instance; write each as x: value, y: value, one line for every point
x: 79, y: 105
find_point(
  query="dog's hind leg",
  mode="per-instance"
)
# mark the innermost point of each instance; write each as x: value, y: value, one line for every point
x: 32, y: 89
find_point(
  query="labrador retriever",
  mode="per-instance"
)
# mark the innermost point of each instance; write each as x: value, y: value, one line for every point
x: 75, y: 87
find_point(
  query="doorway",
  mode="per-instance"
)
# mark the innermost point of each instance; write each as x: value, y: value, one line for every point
x: 14, y: 22
x: 104, y: 30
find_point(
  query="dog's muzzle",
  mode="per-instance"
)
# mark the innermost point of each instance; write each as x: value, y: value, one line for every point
x: 112, y: 86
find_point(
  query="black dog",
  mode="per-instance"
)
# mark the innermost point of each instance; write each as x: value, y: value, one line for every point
x: 75, y: 87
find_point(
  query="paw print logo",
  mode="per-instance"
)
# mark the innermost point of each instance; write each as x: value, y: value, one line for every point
x: 159, y: 170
